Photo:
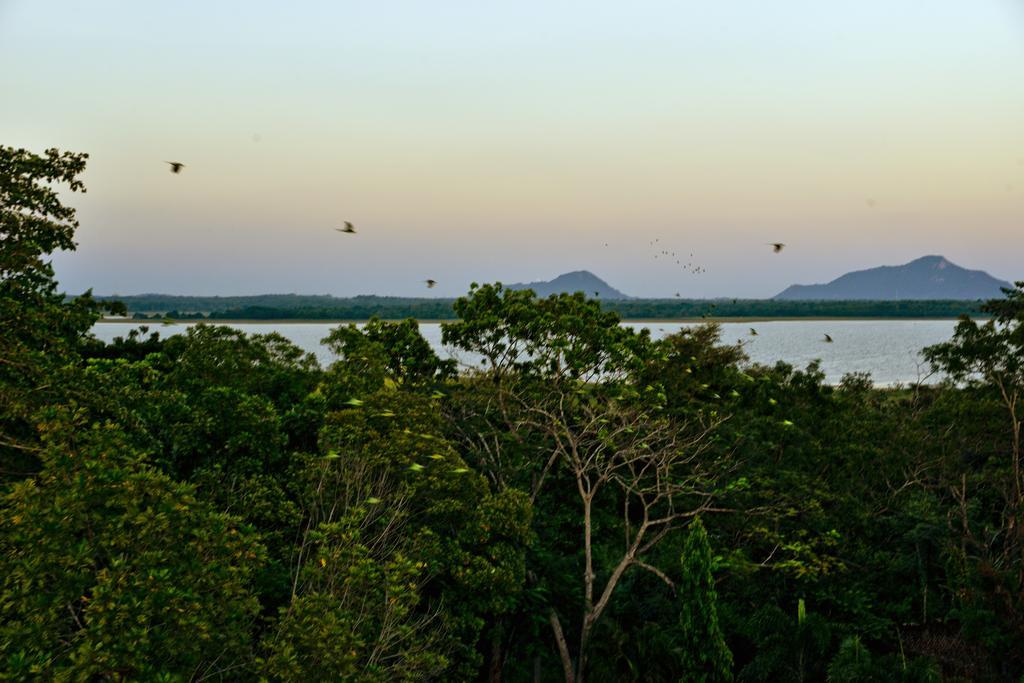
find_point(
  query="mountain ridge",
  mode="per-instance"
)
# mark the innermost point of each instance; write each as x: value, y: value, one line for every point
x: 931, y: 277
x: 567, y: 283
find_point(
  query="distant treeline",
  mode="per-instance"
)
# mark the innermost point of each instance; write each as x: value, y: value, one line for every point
x: 771, y: 308
x: 299, y: 307
x: 160, y: 303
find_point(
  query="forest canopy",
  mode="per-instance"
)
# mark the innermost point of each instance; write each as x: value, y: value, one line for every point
x: 586, y: 504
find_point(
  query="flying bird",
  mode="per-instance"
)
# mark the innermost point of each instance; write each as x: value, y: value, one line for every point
x: 430, y: 283
x: 176, y: 166
x: 776, y: 246
x: 753, y: 332
x: 828, y: 339
x: 349, y: 228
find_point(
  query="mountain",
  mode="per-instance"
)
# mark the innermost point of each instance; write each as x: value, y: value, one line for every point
x: 576, y: 281
x: 929, y: 277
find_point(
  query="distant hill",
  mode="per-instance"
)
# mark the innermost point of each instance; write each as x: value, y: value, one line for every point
x: 929, y: 277
x: 576, y: 281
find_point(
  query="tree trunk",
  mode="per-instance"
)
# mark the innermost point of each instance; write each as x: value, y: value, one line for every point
x: 581, y: 664
x: 563, y: 647
x: 497, y: 656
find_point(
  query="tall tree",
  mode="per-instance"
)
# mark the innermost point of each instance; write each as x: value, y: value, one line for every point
x: 985, y: 362
x: 39, y: 330
x: 706, y: 657
x: 620, y: 476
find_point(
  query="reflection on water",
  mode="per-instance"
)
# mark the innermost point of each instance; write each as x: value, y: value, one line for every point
x: 889, y: 350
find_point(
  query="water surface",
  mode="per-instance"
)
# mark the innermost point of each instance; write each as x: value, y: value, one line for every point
x: 889, y: 350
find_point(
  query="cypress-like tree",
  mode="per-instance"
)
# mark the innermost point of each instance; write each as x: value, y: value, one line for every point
x: 705, y: 656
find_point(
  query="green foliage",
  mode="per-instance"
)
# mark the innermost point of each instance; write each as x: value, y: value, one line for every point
x: 854, y: 663
x: 471, y: 542
x: 267, y: 365
x: 563, y: 335
x: 600, y: 459
x: 39, y: 330
x: 788, y: 648
x: 109, y: 569
x: 705, y: 656
x: 397, y: 350
x: 354, y: 616
x: 987, y: 566
x: 216, y: 505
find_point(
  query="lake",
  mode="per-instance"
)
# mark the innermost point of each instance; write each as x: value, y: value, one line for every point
x: 887, y: 349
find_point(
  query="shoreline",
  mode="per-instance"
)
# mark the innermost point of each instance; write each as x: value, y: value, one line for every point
x: 434, y: 321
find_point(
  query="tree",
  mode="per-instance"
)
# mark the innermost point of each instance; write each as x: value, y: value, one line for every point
x: 620, y: 457
x: 388, y: 491
x: 267, y: 365
x: 353, y: 615
x: 787, y: 649
x: 993, y: 353
x: 109, y: 569
x: 407, y: 358
x: 563, y: 372
x: 39, y: 330
x: 986, y: 362
x: 854, y: 663
x: 706, y: 657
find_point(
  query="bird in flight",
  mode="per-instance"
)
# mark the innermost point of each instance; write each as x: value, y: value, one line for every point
x: 753, y: 332
x: 430, y: 283
x: 828, y: 339
x: 776, y: 246
x: 349, y: 228
x: 176, y: 166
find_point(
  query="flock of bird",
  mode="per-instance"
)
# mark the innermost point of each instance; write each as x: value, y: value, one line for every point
x: 777, y: 247
x: 669, y: 255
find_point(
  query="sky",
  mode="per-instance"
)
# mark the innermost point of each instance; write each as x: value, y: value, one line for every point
x: 479, y: 141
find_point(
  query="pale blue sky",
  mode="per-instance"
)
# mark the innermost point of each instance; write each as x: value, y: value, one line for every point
x: 472, y: 142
